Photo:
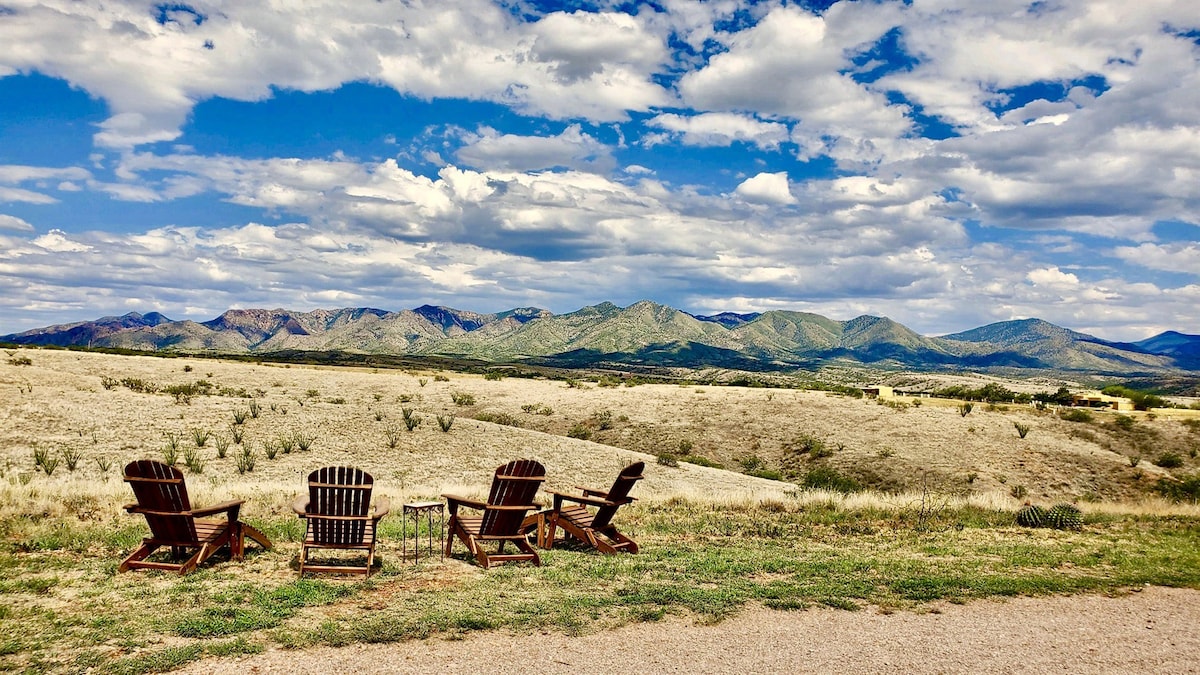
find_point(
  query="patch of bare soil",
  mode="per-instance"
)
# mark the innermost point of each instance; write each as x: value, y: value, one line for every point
x: 1151, y: 631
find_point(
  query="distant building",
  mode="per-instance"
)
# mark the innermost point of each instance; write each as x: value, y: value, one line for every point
x: 879, y: 392
x: 1095, y: 399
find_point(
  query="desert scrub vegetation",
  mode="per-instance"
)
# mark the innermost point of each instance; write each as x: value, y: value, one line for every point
x: 462, y: 398
x: 496, y: 417
x: 67, y: 609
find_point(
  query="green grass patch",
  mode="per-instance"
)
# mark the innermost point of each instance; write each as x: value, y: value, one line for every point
x: 700, y: 560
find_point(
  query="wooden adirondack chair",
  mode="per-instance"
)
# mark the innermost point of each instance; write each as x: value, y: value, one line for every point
x: 337, y: 508
x: 503, y: 514
x: 595, y: 528
x: 163, y: 499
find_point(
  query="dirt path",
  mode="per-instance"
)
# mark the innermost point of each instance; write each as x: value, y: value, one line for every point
x: 1151, y: 631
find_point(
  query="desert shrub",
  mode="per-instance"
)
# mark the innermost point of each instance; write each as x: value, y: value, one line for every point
x: 270, y: 449
x: 583, y: 433
x: 462, y: 398
x: 440, y: 378
x: 21, y: 361
x: 753, y: 465
x: 109, y: 383
x: 422, y: 381
x: 378, y: 415
x: 337, y: 400
x: 406, y: 398
x: 1193, y: 425
x: 286, y: 443
x: 499, y: 418
x: 965, y: 409
x: 239, y: 416
x: 103, y: 464
x: 603, y: 419
x: 685, y: 446
x: 806, y: 444
x: 191, y: 457
x: 170, y: 451
x: 1076, y: 415
x: 411, y: 419
x: 1022, y: 429
x: 1018, y: 491
x: 236, y: 434
x: 200, y: 437
x: 139, y: 385
x: 1169, y: 460
x: 246, y: 460
x: 666, y: 459
x: 702, y: 461
x: 1182, y: 489
x: 828, y: 478
x: 391, y: 435
x: 445, y: 422
x: 71, y: 457
x: 183, y: 393
x: 494, y: 375
x: 1124, y: 422
x: 221, y: 443
x: 1134, y: 460
x: 304, y: 442
x: 255, y: 409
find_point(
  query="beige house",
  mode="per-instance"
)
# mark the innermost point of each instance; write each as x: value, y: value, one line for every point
x: 1095, y: 399
x: 879, y: 392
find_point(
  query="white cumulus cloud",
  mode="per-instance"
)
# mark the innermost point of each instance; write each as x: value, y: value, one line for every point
x: 767, y: 188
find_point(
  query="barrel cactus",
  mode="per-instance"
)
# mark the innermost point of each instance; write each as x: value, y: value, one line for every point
x: 1065, y: 517
x: 1031, y: 516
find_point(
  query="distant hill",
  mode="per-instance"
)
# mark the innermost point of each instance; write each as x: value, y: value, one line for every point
x: 1184, y: 348
x: 642, y: 334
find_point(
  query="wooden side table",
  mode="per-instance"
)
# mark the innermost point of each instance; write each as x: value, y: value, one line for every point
x: 414, y: 511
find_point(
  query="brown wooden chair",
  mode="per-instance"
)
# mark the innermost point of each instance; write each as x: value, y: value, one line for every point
x: 503, y: 514
x: 163, y: 499
x: 337, y: 508
x: 595, y: 528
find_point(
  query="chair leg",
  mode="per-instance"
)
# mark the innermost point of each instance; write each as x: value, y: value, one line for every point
x: 551, y: 532
x: 193, y: 562
x: 141, y: 553
x: 451, y: 533
x: 237, y: 543
x: 523, y: 544
x: 255, y: 534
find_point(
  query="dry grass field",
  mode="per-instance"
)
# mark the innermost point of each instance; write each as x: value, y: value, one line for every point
x: 946, y: 486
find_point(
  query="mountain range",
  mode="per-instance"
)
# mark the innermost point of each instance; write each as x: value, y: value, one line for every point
x: 642, y: 334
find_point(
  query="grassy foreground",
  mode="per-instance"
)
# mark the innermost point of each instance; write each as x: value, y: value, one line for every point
x: 63, y: 608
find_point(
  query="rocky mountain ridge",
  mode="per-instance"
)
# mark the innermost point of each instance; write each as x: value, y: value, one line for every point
x: 644, y: 333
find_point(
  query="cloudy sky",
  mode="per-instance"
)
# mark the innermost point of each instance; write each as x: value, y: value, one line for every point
x: 944, y: 163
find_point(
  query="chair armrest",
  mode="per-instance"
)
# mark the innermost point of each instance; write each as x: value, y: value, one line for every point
x: 300, y: 505
x: 473, y: 503
x: 592, y: 492
x: 382, y: 507
x: 231, y: 507
x: 453, y: 501
x: 560, y: 497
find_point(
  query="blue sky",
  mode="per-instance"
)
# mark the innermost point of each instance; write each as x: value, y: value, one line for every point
x: 946, y: 164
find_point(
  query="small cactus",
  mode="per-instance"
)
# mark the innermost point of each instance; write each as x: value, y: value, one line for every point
x: 1065, y: 517
x: 1031, y: 516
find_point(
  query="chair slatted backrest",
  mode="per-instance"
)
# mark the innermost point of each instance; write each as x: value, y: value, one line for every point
x: 619, y: 494
x: 338, y: 500
x: 515, y: 484
x: 162, y: 497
